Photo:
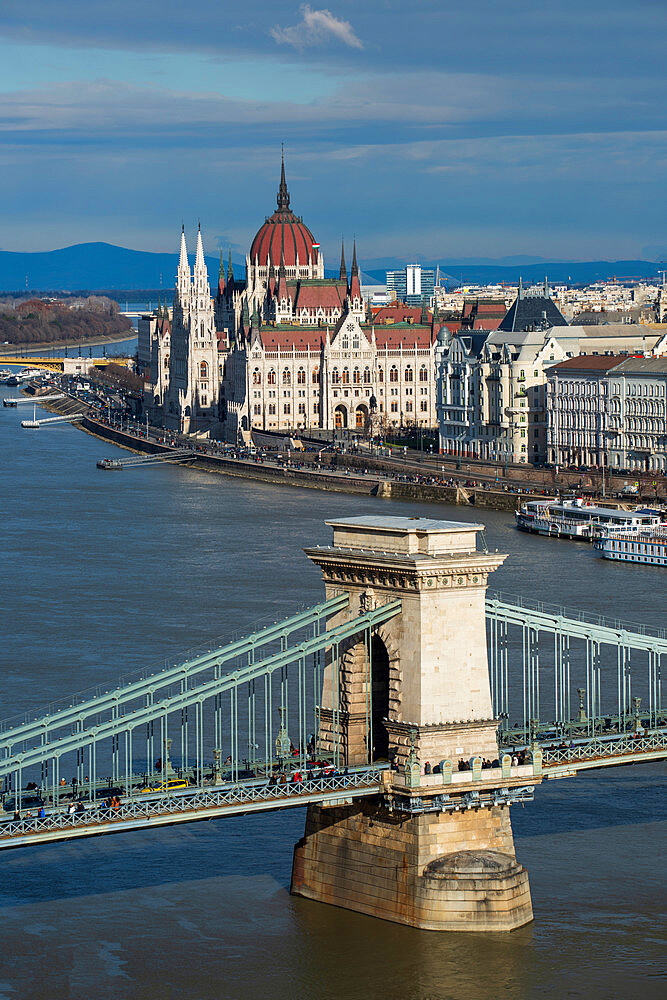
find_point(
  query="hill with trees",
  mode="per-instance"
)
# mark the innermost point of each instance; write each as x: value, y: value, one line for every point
x: 46, y: 321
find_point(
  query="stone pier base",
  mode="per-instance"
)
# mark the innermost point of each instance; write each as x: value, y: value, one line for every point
x: 437, y: 871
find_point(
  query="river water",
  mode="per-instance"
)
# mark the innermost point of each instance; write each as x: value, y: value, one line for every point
x: 104, y: 573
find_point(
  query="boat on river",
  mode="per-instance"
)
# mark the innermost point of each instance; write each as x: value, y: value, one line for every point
x: 110, y: 463
x: 647, y: 547
x: 582, y: 521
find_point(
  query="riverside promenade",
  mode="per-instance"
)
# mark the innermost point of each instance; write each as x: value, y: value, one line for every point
x: 411, y: 477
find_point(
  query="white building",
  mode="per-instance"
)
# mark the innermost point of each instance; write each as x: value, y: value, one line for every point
x: 288, y: 349
x: 190, y: 401
x: 609, y: 412
x: 491, y: 396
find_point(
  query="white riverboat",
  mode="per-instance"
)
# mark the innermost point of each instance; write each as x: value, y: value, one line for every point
x: 580, y: 520
x: 648, y: 547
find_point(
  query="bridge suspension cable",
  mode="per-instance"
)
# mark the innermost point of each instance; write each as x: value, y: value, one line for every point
x: 579, y: 674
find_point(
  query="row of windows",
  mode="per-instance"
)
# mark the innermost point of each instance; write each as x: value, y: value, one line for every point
x: 338, y: 377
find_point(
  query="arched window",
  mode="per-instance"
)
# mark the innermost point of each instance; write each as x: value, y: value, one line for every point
x: 287, y: 376
x: 301, y: 377
x: 271, y: 377
x: 393, y: 374
x: 423, y: 374
x: 367, y: 376
x: 408, y: 374
x: 202, y: 330
x: 380, y: 375
x: 166, y: 362
x: 257, y: 377
x: 356, y: 377
x: 316, y: 376
x: 346, y: 377
x: 203, y: 370
x: 335, y: 377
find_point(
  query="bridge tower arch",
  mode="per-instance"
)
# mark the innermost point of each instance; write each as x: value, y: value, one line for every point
x: 420, y: 854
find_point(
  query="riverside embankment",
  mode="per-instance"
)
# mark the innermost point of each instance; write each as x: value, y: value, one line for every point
x: 366, y: 479
x: 370, y: 483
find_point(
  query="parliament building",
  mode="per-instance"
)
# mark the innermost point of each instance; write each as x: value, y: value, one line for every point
x: 287, y: 348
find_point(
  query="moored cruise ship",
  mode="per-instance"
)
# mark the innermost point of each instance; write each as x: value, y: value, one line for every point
x: 580, y: 520
x: 648, y: 547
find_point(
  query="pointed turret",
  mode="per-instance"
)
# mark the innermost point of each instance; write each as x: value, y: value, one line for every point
x: 282, y: 279
x: 221, y: 278
x: 343, y: 269
x: 355, y: 287
x: 183, y: 277
x: 183, y: 266
x: 283, y: 193
x: 200, y: 263
x: 230, y: 269
x: 270, y: 276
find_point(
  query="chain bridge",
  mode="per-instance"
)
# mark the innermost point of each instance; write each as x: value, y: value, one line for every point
x: 408, y: 711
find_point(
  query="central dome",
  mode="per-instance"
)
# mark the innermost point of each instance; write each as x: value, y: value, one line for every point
x: 283, y: 233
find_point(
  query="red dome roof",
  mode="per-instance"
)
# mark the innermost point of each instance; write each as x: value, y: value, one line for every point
x: 283, y: 232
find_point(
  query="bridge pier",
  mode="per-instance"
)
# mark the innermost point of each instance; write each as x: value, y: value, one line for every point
x: 436, y: 871
x: 436, y: 850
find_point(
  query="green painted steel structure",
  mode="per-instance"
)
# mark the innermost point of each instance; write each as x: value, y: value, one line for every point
x: 236, y: 728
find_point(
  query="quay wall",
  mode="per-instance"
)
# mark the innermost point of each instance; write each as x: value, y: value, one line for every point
x: 372, y: 484
x: 235, y: 467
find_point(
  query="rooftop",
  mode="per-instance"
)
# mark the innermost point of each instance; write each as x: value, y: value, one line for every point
x: 642, y: 366
x: 408, y: 537
x: 588, y: 363
x: 382, y: 522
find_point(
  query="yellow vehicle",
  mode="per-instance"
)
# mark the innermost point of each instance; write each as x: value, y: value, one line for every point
x: 166, y: 786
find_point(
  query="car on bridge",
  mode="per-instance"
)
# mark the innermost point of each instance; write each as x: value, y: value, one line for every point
x: 170, y: 785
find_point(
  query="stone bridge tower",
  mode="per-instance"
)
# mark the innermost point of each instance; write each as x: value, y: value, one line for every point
x: 436, y: 849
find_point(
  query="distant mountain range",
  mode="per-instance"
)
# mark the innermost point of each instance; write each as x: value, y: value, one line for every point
x: 93, y: 266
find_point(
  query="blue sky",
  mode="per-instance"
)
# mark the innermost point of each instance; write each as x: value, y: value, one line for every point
x: 427, y: 128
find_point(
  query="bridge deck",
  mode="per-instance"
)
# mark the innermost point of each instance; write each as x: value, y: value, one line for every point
x: 194, y: 804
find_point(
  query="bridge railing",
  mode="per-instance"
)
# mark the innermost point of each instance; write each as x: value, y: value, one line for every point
x: 268, y: 795
x: 601, y: 749
x: 250, y: 720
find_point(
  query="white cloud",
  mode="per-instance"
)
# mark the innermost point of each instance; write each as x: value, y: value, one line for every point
x: 316, y: 27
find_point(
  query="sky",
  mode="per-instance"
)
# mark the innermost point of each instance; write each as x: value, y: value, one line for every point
x: 427, y: 130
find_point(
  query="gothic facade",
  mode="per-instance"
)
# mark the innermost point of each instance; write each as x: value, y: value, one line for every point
x: 288, y: 348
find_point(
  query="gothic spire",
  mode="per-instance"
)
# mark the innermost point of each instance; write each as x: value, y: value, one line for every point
x: 343, y: 269
x: 355, y: 288
x: 282, y: 277
x: 283, y: 193
x: 221, y: 276
x: 200, y: 263
x: 230, y: 269
x: 183, y: 266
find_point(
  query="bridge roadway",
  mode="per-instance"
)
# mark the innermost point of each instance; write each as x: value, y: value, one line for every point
x: 435, y: 792
x: 196, y: 803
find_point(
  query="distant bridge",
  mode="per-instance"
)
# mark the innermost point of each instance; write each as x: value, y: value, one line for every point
x: 65, y: 365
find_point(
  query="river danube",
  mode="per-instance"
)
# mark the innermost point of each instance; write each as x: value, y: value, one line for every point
x: 106, y: 572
